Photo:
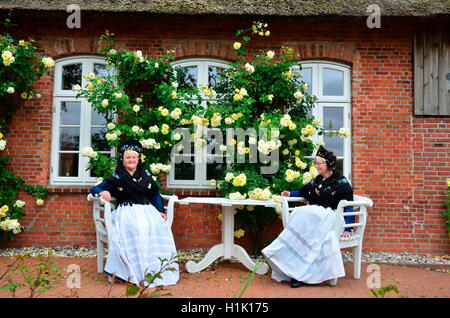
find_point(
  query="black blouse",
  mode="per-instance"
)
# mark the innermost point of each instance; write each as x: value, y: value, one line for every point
x: 328, y: 192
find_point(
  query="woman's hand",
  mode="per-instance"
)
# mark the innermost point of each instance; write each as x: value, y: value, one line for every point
x: 163, y: 215
x: 106, y: 195
x: 285, y: 193
x: 346, y: 234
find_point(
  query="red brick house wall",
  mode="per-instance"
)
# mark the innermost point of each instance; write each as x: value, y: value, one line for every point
x: 400, y: 161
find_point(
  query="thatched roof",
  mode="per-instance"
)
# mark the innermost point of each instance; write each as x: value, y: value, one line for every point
x: 244, y: 7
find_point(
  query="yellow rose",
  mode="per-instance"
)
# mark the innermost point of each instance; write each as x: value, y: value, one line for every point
x: 237, y: 97
x: 237, y: 45
x: 39, y: 202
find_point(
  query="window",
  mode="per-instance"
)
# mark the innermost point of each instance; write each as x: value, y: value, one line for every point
x: 202, y: 165
x: 330, y: 82
x: 75, y: 124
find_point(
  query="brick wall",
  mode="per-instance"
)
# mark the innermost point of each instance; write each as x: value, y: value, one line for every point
x: 400, y: 161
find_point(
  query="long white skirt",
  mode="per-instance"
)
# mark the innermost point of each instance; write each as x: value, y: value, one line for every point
x: 138, y: 239
x: 307, y: 249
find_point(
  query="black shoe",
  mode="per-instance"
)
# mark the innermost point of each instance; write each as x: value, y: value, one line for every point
x: 295, y: 283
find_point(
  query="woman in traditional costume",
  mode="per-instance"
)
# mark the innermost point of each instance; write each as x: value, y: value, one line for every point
x: 140, y: 236
x: 307, y: 250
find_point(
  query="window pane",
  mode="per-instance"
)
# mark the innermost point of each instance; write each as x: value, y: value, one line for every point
x: 71, y: 75
x: 101, y: 70
x: 69, y: 138
x: 185, y: 171
x: 68, y: 165
x: 70, y: 113
x: 214, y: 170
x: 213, y: 145
x: 216, y: 75
x: 335, y: 144
x: 340, y: 166
x: 101, y: 119
x: 187, y: 77
x: 307, y: 78
x: 98, y: 140
x: 333, y: 116
x: 333, y: 82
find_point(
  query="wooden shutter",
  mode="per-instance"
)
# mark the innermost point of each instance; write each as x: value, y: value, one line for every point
x: 432, y: 69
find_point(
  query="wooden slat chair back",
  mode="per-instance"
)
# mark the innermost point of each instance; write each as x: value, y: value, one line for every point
x: 359, y: 205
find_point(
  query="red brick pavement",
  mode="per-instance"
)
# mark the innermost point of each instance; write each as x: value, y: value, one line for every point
x: 226, y: 279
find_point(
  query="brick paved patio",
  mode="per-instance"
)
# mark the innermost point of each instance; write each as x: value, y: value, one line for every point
x: 226, y: 279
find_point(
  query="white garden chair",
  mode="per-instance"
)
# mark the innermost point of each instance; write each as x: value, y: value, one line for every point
x: 359, y: 205
x: 102, y: 218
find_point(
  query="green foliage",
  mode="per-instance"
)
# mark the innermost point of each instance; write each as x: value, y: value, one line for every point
x: 383, y: 291
x: 257, y: 265
x: 19, y: 70
x: 38, y: 278
x: 141, y: 291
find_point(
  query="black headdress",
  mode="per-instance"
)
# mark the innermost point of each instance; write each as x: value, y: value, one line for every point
x: 130, y: 144
x: 329, y: 157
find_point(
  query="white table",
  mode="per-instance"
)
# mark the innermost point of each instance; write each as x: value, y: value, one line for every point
x: 227, y: 248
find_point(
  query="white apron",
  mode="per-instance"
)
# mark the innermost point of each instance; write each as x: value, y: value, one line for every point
x: 138, y: 238
x: 307, y: 249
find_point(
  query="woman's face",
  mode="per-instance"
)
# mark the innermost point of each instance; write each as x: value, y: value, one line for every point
x: 130, y: 160
x: 321, y: 166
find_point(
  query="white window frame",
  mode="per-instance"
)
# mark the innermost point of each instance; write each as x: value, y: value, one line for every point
x: 61, y: 95
x: 200, y: 181
x: 333, y: 101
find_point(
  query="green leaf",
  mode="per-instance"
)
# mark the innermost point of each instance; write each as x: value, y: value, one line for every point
x: 132, y: 290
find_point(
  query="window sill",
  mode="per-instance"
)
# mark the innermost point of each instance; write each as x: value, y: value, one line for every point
x: 53, y: 189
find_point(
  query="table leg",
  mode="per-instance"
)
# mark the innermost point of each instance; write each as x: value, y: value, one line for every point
x: 227, y: 249
x: 214, y: 253
x: 243, y: 257
x: 234, y: 250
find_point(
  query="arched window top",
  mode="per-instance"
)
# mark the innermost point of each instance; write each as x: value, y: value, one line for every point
x: 329, y: 81
x: 199, y: 71
x: 70, y: 71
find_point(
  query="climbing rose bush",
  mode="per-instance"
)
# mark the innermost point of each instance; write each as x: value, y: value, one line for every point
x: 20, y: 68
x: 261, y: 99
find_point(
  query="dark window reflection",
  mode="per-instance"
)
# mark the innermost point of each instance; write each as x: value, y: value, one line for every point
x: 69, y: 138
x: 340, y: 166
x: 187, y: 77
x: 185, y: 171
x: 214, y: 170
x: 216, y: 75
x: 68, y: 165
x: 98, y: 140
x: 71, y: 76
